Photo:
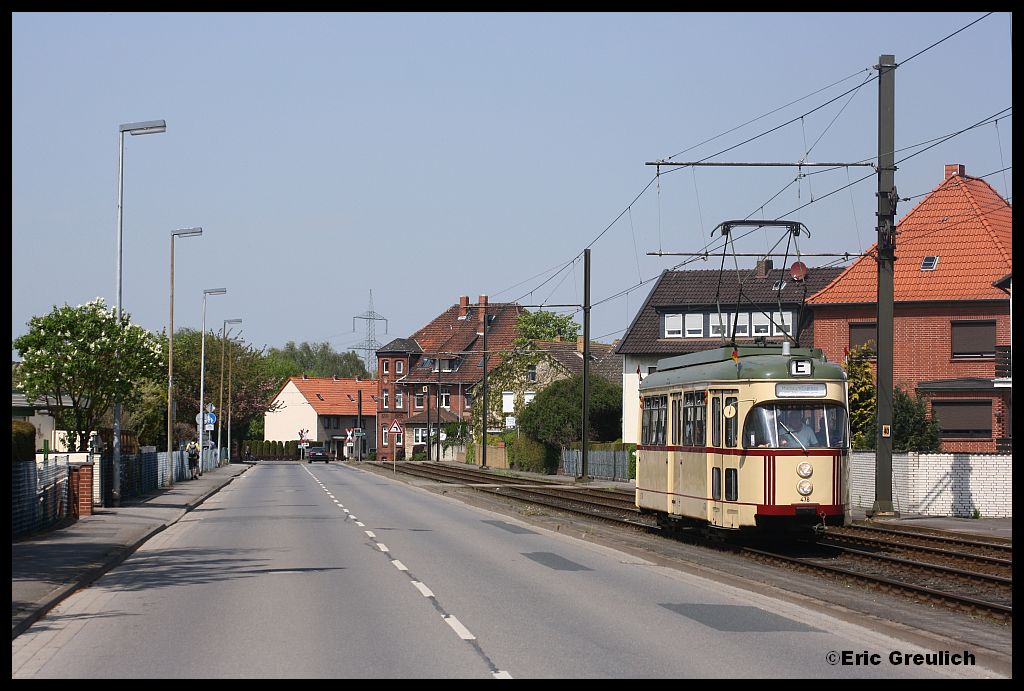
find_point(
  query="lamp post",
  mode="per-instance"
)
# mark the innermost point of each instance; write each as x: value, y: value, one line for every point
x: 230, y: 360
x: 132, y: 128
x: 220, y: 399
x: 184, y: 233
x: 201, y: 424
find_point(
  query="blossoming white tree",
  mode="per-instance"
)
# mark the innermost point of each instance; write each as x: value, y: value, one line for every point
x: 83, y: 359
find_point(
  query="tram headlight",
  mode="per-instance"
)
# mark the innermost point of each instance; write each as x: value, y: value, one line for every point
x: 804, y: 487
x: 805, y: 469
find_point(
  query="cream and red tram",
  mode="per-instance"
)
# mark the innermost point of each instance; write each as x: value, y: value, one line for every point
x: 746, y: 437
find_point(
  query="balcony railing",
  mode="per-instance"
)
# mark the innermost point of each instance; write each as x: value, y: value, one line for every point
x: 1003, y: 362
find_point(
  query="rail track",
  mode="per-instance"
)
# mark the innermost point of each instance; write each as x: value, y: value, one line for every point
x: 972, y: 576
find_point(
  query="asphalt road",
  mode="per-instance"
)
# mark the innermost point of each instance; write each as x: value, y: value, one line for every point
x: 325, y: 571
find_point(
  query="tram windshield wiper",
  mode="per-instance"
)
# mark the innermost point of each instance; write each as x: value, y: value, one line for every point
x: 783, y: 425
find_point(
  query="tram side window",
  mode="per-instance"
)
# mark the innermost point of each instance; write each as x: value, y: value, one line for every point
x: 731, y: 422
x: 654, y: 418
x: 693, y: 414
x: 676, y: 421
x: 716, y: 484
x: 698, y: 426
x: 716, y: 421
x: 731, y: 479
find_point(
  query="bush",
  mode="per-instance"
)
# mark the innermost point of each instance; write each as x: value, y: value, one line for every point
x: 531, y: 455
x: 23, y: 441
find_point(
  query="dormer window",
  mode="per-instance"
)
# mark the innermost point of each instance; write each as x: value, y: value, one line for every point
x: 320, y: 396
x: 929, y: 263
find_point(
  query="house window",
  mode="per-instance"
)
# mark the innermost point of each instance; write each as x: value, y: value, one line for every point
x: 384, y: 366
x: 508, y: 400
x: 760, y: 323
x: 419, y: 399
x: 398, y: 397
x: 720, y: 324
x: 336, y: 422
x: 531, y: 373
x: 383, y: 435
x: 399, y: 366
x: 783, y: 323
x: 742, y: 326
x: 958, y: 419
x: 864, y: 333
x: 973, y: 338
x: 778, y: 285
x: 446, y: 394
x: 695, y: 326
x: 529, y: 396
x: 398, y: 439
x: 385, y: 398
x: 419, y: 435
x: 673, y: 325
x: 929, y: 263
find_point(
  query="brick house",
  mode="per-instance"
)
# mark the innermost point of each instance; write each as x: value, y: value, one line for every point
x: 438, y: 368
x: 951, y: 310
x: 681, y: 315
x: 327, y: 407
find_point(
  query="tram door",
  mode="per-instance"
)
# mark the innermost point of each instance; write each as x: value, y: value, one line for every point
x: 724, y: 459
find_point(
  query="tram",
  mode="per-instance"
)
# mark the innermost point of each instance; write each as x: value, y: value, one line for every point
x: 745, y: 438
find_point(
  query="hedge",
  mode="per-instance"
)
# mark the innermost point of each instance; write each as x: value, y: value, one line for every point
x: 23, y: 441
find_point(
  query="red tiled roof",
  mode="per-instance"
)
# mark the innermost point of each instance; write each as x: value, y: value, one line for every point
x: 963, y: 222
x: 337, y: 396
x: 447, y: 336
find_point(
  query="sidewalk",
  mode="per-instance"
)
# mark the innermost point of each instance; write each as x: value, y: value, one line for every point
x: 48, y: 567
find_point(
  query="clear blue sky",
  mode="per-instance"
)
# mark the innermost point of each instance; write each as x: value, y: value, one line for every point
x: 427, y: 156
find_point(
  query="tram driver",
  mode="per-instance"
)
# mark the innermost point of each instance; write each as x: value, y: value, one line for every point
x: 796, y: 433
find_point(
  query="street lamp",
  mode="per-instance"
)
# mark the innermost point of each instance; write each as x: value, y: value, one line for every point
x: 184, y: 233
x: 201, y: 418
x: 230, y: 360
x: 220, y: 400
x: 132, y: 128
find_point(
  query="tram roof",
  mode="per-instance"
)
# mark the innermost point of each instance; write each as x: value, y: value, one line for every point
x: 755, y: 362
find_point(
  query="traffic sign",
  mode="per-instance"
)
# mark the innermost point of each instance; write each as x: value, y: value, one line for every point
x: 210, y: 407
x: 348, y: 434
x: 395, y: 428
x: 209, y: 427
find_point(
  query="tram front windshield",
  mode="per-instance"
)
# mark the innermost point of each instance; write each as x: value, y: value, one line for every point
x: 795, y: 425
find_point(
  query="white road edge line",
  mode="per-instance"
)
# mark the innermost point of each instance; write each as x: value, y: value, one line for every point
x: 399, y: 565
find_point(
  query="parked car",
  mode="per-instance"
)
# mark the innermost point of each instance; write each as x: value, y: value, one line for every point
x: 317, y: 453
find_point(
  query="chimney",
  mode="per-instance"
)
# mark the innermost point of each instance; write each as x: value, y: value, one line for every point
x: 953, y: 169
x: 579, y: 344
x: 463, y: 306
x: 764, y: 267
x: 483, y: 303
x: 335, y: 377
x: 304, y: 377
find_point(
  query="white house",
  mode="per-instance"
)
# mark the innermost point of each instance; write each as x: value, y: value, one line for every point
x: 326, y: 409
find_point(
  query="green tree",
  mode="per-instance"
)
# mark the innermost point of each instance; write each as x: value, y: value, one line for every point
x: 546, y: 326
x: 314, y: 360
x: 912, y: 430
x: 86, y: 358
x: 862, y: 396
x: 554, y: 417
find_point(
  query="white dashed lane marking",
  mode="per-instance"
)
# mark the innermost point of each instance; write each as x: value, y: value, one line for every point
x: 461, y: 630
x: 423, y: 589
